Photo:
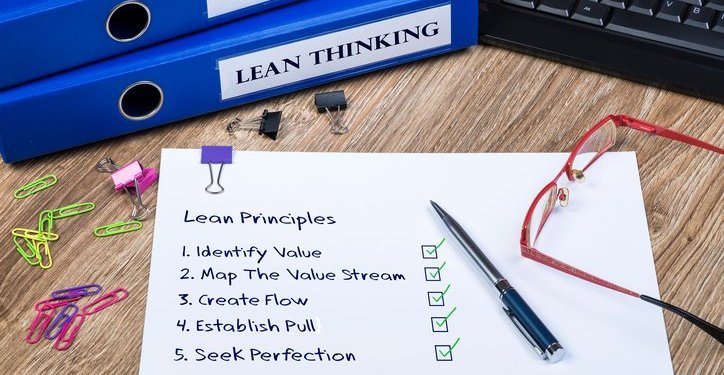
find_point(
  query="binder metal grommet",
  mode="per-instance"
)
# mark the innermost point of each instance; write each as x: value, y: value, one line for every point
x: 141, y: 101
x: 128, y: 21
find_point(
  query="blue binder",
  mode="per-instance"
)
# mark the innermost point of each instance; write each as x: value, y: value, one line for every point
x: 294, y: 47
x: 41, y: 37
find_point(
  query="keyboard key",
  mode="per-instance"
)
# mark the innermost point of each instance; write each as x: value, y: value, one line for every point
x: 700, y: 17
x: 557, y: 7
x: 672, y: 10
x: 716, y: 5
x: 591, y: 12
x: 719, y: 26
x: 615, y: 3
x: 694, y: 2
x: 661, y: 31
x: 521, y: 3
x: 647, y: 7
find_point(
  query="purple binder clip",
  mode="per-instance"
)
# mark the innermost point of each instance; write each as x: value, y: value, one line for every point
x: 216, y: 155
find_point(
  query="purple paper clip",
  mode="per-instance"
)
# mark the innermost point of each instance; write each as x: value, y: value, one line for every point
x: 216, y: 155
x: 60, y: 321
x: 77, y: 291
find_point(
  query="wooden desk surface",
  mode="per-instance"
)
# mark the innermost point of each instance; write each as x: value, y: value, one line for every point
x: 480, y: 100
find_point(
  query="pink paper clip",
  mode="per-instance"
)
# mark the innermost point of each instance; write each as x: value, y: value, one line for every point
x: 67, y: 335
x: 38, y: 326
x: 105, y: 301
x: 52, y: 303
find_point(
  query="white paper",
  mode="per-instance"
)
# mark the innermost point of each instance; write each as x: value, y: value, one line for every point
x: 381, y: 212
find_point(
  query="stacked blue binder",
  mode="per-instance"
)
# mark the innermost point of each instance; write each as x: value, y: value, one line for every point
x: 41, y: 37
x: 286, y: 49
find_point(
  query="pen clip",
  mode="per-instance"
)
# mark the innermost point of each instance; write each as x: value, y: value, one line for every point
x: 536, y: 348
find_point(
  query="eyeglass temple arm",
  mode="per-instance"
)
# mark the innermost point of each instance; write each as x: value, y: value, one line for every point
x: 644, y: 126
x: 705, y: 326
x: 549, y: 261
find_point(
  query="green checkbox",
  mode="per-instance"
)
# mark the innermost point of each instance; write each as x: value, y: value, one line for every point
x: 433, y: 273
x: 430, y: 251
x: 444, y: 352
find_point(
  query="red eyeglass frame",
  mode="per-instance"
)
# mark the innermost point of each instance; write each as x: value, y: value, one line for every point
x: 526, y: 248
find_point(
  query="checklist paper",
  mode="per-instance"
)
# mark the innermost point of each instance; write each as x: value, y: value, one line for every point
x: 320, y: 263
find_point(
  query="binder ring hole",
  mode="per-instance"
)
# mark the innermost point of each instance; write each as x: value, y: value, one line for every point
x: 128, y: 21
x: 141, y: 101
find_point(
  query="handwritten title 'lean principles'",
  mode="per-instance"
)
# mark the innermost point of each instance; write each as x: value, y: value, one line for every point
x: 339, y: 52
x: 300, y: 221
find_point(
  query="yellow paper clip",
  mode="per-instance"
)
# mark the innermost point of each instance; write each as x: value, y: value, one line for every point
x: 34, y: 235
x: 43, y: 248
x: 72, y: 210
x: 118, y: 228
x: 35, y: 186
x: 45, y: 222
x: 27, y: 250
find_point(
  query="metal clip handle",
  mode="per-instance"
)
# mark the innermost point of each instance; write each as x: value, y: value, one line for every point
x: 537, y: 349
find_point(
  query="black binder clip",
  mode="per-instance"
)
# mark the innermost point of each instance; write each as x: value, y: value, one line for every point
x: 269, y: 124
x: 329, y: 102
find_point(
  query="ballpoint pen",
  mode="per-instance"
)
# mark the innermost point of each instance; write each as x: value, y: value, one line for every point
x: 522, y: 316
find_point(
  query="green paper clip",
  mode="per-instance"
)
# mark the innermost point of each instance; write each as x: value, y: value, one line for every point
x: 34, y: 235
x: 42, y: 247
x: 118, y: 228
x: 30, y: 254
x: 45, y: 222
x: 35, y: 186
x: 72, y: 210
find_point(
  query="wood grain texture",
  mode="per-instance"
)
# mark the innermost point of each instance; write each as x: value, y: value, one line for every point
x: 481, y: 100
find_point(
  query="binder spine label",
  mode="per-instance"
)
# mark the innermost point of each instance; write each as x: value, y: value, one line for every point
x: 219, y: 7
x: 336, y: 52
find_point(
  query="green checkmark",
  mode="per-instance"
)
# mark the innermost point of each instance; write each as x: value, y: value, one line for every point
x: 437, y: 299
x: 434, y: 249
x: 442, y: 321
x: 446, y: 353
x: 436, y: 273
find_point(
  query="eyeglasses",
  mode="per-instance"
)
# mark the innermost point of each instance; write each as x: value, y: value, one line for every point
x: 590, y: 148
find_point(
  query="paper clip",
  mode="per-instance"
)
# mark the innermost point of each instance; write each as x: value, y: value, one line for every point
x: 268, y: 124
x: 132, y: 178
x: 45, y: 222
x: 67, y: 335
x: 117, y: 228
x: 34, y: 234
x: 27, y: 250
x: 52, y: 303
x: 35, y: 186
x: 38, y: 326
x: 71, y: 210
x: 60, y: 321
x: 332, y: 101
x: 105, y: 301
x: 77, y: 291
x: 43, y: 250
x: 216, y: 155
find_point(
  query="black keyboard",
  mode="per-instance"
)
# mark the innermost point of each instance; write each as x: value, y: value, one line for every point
x: 667, y: 43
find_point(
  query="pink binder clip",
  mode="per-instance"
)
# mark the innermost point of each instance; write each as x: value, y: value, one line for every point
x: 132, y: 173
x: 132, y: 178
